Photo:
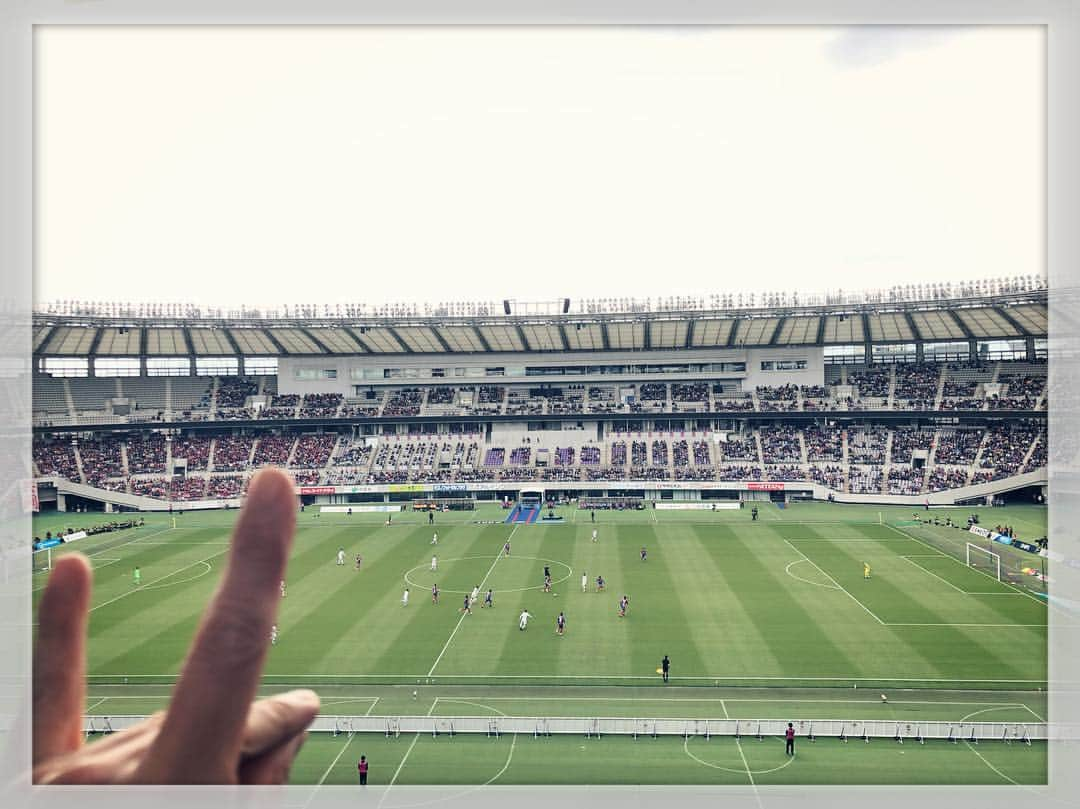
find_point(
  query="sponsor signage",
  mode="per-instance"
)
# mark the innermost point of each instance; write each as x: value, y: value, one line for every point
x: 767, y: 486
x: 318, y: 490
x: 694, y: 506
x: 450, y: 487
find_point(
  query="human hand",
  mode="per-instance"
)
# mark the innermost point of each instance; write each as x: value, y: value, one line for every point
x: 212, y: 732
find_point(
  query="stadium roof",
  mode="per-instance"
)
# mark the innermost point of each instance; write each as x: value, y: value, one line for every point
x: 1013, y: 316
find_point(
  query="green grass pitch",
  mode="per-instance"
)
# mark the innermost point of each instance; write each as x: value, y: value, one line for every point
x: 772, y: 619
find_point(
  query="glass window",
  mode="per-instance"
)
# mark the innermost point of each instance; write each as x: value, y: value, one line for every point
x: 946, y: 352
x: 261, y: 366
x: 844, y: 355
x: 66, y: 366
x: 894, y: 352
x: 1040, y: 348
x: 1002, y: 350
x: 168, y: 366
x: 117, y: 366
x: 217, y: 366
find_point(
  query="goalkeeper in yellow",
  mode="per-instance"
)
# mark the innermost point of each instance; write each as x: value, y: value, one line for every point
x: 866, y: 570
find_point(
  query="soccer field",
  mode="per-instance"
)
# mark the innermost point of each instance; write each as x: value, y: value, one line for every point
x: 770, y: 619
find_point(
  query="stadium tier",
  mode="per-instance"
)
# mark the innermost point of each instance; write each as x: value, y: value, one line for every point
x: 810, y: 402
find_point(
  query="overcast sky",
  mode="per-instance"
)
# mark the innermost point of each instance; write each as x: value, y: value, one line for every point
x: 323, y: 165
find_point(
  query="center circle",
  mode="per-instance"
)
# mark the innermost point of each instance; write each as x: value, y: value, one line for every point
x: 423, y: 577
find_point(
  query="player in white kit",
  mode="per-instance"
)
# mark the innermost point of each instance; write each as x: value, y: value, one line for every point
x: 435, y: 539
x: 273, y: 635
x: 584, y: 582
x: 341, y: 556
x: 405, y: 598
x: 523, y: 619
x: 594, y: 535
x: 434, y: 563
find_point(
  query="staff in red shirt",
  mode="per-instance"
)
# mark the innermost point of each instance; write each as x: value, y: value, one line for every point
x: 362, y: 768
x: 789, y: 738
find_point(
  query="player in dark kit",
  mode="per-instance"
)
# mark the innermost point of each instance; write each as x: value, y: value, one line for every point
x: 435, y: 594
x: 547, y: 572
x: 560, y: 624
x: 665, y: 667
x: 488, y: 600
x: 466, y: 607
x: 506, y: 548
x: 547, y: 584
x: 599, y: 583
x: 753, y: 514
x: 644, y: 553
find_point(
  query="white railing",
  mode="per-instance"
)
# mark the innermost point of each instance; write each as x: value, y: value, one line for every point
x: 973, y: 732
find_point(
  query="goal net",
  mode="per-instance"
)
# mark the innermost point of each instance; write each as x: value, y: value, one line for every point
x: 984, y: 560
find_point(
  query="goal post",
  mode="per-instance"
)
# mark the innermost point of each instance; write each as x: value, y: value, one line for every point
x: 984, y: 560
x: 42, y: 560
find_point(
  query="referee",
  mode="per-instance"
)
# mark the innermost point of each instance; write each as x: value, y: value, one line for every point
x: 665, y: 667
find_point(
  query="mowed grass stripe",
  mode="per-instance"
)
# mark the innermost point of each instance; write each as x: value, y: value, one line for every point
x: 664, y: 613
x: 731, y: 644
x: 420, y: 630
x: 789, y: 629
x: 959, y: 652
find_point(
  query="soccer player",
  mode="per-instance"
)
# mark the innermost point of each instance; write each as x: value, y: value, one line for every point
x: 283, y: 588
x: 599, y: 583
x: 547, y: 584
x: 434, y: 594
x: 434, y: 563
x: 523, y: 619
x: 584, y: 581
x: 435, y: 538
x: 506, y: 548
x: 644, y: 553
x: 560, y: 624
x: 136, y: 576
x: 592, y: 516
x: 665, y: 667
x: 488, y: 600
x: 273, y: 635
x: 753, y: 514
x: 341, y: 556
x: 624, y: 602
x: 789, y: 740
x: 359, y: 559
x: 174, y: 522
x: 475, y: 594
x: 866, y: 570
x: 594, y: 534
x: 431, y: 518
x: 405, y: 598
x: 547, y: 571
x: 467, y: 606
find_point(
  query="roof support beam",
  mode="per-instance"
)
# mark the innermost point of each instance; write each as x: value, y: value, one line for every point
x: 232, y: 341
x: 916, y: 332
x: 95, y: 342
x: 1001, y: 310
x: 565, y: 339
x: 521, y: 336
x: 404, y: 346
x: 440, y: 340
x: 648, y: 335
x: 352, y: 332
x: 482, y: 340
x: 277, y: 343
x: 959, y: 322
x: 690, y: 327
x: 776, y: 332
x: 820, y: 339
x: 604, y: 335
x: 310, y: 334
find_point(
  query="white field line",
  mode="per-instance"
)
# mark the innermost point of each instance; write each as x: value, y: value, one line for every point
x: 834, y: 581
x: 652, y: 677
x: 724, y: 700
x: 404, y: 758
x: 155, y: 581
x: 946, y: 581
x: 964, y: 565
x: 371, y: 707
x: 991, y: 766
x: 1032, y: 712
x: 333, y: 764
x: 993, y: 708
x: 979, y: 626
x: 806, y: 581
x: 114, y: 547
x: 91, y: 707
x: 457, y: 626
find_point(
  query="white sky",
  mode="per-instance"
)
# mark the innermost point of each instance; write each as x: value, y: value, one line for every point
x: 323, y: 165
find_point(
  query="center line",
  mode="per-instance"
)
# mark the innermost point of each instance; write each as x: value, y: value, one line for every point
x: 463, y: 614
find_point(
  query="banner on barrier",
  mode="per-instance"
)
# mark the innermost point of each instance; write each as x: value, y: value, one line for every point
x: 383, y: 507
x: 695, y: 506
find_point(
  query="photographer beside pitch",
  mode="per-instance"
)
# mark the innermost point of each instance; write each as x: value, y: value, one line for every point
x: 213, y: 732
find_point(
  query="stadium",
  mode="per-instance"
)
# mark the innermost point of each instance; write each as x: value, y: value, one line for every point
x: 828, y: 511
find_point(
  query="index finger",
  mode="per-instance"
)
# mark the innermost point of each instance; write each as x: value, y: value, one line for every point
x: 201, y: 737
